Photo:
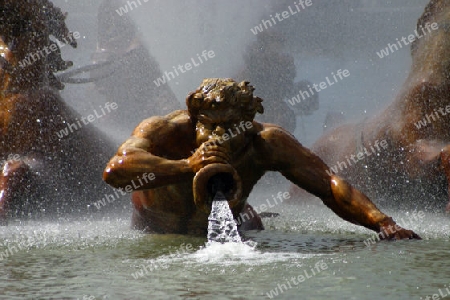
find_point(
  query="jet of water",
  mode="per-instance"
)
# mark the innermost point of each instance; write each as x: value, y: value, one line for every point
x: 221, y: 226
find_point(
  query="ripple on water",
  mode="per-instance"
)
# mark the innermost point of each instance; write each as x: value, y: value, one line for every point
x: 66, y: 260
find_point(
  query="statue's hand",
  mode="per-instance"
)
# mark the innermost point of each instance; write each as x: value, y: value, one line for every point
x: 389, y: 230
x: 207, y: 154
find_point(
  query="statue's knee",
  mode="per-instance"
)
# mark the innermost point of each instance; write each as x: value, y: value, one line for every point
x: 249, y: 219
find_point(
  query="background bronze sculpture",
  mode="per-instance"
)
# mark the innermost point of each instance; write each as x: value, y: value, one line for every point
x: 177, y: 146
x: 273, y: 71
x: 128, y: 77
x: 414, y: 167
x: 40, y: 172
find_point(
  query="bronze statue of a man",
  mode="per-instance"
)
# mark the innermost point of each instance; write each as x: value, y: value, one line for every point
x: 218, y: 129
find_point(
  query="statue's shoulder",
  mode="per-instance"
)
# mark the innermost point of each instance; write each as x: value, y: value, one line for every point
x: 179, y: 117
x: 175, y: 117
x: 269, y: 139
x: 270, y: 132
x: 169, y: 124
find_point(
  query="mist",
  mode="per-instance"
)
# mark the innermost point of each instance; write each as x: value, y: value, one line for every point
x: 322, y: 38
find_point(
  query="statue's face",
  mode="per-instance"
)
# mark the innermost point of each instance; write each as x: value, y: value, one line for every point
x: 223, y: 124
x: 222, y: 120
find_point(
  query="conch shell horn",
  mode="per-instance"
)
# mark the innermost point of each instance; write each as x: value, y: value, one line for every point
x: 215, y: 178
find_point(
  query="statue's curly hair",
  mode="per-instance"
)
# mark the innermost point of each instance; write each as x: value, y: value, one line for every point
x: 219, y: 92
x: 18, y: 16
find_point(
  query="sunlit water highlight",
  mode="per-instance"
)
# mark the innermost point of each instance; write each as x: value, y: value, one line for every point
x: 221, y: 225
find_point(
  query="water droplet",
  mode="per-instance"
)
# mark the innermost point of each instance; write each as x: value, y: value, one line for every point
x: 221, y: 226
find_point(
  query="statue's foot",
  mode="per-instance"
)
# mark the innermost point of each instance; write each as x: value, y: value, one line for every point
x: 389, y: 230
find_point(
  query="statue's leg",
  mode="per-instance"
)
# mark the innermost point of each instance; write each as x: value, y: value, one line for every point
x: 150, y: 221
x: 249, y: 219
x: 138, y: 220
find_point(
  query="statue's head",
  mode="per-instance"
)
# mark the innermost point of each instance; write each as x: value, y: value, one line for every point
x: 223, y: 110
x: 224, y: 94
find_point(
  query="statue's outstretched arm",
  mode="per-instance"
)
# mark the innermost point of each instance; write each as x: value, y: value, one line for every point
x: 308, y: 171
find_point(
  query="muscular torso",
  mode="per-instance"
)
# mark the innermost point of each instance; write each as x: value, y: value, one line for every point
x: 171, y: 207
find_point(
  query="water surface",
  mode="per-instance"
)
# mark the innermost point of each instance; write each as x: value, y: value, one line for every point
x: 104, y: 259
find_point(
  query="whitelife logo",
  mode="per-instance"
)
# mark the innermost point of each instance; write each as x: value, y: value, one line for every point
x: 86, y: 120
x: 391, y: 48
x: 169, y: 75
